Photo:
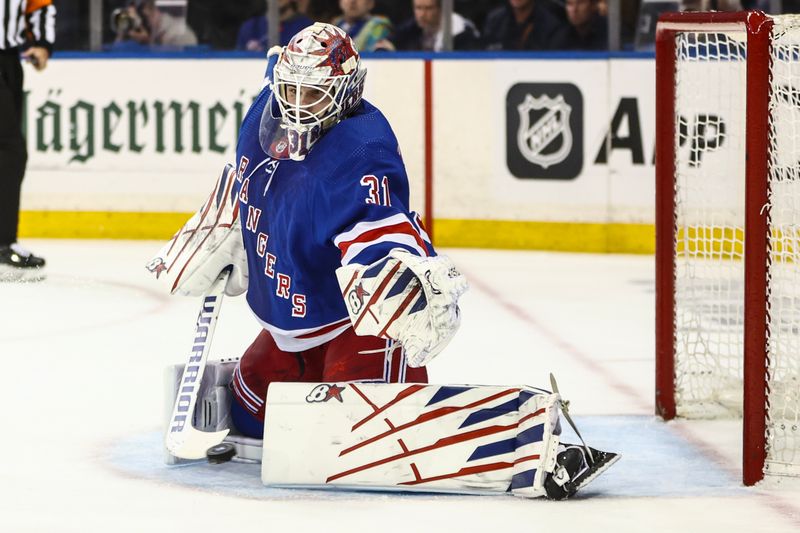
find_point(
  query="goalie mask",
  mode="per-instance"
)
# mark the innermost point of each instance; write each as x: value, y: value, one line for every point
x: 317, y: 81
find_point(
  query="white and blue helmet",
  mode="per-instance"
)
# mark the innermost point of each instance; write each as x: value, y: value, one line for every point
x: 320, y: 63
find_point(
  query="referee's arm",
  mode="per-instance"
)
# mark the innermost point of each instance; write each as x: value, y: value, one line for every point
x: 40, y: 23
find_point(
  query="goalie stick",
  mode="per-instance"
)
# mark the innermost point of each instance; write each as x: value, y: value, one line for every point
x: 182, y: 439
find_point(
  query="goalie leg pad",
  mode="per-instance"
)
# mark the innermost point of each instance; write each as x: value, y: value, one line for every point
x: 410, y: 437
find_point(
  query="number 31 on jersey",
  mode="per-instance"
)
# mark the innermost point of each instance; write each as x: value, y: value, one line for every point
x: 378, y: 193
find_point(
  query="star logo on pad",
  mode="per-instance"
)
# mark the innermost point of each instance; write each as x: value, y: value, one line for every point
x: 356, y: 298
x: 157, y: 266
x: 335, y: 391
x: 361, y: 293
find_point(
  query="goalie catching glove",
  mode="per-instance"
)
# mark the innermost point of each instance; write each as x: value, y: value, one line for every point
x: 410, y: 299
x: 207, y: 244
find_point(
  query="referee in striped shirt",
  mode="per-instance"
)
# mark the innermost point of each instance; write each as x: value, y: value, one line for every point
x: 27, y: 33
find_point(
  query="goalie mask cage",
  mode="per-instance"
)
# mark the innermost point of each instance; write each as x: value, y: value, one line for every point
x: 728, y: 228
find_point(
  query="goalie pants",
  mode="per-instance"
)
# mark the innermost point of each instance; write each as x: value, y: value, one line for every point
x: 338, y: 360
x: 13, y: 153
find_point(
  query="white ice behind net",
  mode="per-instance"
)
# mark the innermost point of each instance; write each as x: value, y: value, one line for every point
x: 709, y: 269
x: 783, y: 370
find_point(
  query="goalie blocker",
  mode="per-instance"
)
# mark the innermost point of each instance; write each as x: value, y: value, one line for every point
x: 407, y: 437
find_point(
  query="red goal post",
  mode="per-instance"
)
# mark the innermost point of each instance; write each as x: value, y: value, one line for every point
x: 727, y: 256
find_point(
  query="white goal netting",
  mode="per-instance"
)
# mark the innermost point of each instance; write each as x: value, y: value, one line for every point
x: 783, y: 350
x: 710, y: 224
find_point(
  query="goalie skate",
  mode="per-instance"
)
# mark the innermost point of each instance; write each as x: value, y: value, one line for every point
x: 575, y: 469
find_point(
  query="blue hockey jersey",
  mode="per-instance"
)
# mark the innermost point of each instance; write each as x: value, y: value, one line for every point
x: 346, y: 202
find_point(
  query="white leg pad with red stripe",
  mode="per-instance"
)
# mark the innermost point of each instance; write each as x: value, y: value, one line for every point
x: 410, y: 437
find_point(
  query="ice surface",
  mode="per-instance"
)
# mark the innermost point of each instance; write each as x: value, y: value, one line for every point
x: 83, y: 354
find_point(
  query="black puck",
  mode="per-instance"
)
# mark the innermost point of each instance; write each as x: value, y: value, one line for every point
x: 221, y: 453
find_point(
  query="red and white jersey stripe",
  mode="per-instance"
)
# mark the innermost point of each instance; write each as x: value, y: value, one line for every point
x: 396, y: 228
x: 416, y: 219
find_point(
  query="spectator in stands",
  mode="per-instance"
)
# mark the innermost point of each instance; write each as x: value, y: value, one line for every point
x: 254, y: 32
x: 424, y: 31
x: 369, y: 32
x: 319, y: 10
x: 131, y: 31
x: 398, y: 11
x: 588, y: 29
x: 476, y: 10
x: 165, y: 29
x: 142, y: 23
x: 525, y: 25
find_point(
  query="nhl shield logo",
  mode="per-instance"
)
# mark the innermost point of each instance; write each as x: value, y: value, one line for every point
x: 533, y: 140
x: 544, y: 131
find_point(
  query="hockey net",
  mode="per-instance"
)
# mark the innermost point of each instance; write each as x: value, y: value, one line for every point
x: 728, y: 228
